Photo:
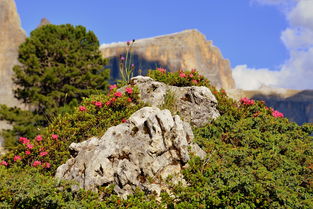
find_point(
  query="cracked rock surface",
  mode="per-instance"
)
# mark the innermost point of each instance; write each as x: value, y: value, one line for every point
x: 195, y: 104
x: 149, y: 147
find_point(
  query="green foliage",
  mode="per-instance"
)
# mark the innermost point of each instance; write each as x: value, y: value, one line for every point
x: 29, y: 189
x: 169, y: 102
x: 25, y: 123
x: 60, y: 64
x: 95, y: 115
x: 254, y: 161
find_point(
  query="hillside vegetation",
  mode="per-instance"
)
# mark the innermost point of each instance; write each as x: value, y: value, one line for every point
x: 256, y: 158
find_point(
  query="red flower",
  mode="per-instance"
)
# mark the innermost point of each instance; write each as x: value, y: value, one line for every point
x: 27, y: 152
x: 17, y: 158
x: 162, y: 70
x: 191, y: 75
x: 113, y: 99
x: 118, y: 94
x: 43, y: 153
x: 124, y: 120
x: 4, y: 163
x: 39, y: 138
x: 36, y: 163
x: 129, y: 100
x: 182, y: 75
x: 247, y: 101
x: 54, y: 136
x: 46, y: 165
x: 277, y: 114
x: 82, y: 108
x: 129, y: 90
x: 24, y: 140
x: 30, y: 146
x: 108, y: 103
x: 111, y: 87
x: 98, y: 104
x: 194, y: 81
x: 93, y: 102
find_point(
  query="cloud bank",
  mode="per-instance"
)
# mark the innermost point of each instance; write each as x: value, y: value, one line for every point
x: 297, y: 71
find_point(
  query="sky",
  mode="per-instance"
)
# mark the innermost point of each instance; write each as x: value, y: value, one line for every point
x: 268, y: 42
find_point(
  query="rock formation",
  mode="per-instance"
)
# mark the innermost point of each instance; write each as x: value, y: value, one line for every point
x: 196, y: 105
x: 179, y: 51
x: 142, y: 153
x: 296, y: 105
x: 11, y: 36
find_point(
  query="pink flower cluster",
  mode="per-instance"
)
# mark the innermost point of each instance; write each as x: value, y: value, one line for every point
x: 247, y: 101
x: 4, y: 163
x: 277, y: 114
x: 162, y: 70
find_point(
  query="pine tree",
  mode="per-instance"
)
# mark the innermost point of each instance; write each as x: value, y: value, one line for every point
x: 59, y: 65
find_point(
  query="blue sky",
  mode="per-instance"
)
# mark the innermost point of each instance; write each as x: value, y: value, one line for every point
x: 248, y: 32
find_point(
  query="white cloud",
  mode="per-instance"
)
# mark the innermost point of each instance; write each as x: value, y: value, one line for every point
x: 297, y: 71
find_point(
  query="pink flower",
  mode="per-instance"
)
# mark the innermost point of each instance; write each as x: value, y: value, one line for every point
x: 43, y: 153
x: 162, y: 70
x: 129, y: 90
x: 118, y: 94
x: 24, y: 140
x: 41, y: 149
x: 54, y: 136
x: 124, y: 120
x: 277, y: 114
x: 129, y: 100
x: 191, y: 75
x: 4, y: 163
x: 193, y: 70
x: 46, y: 165
x: 113, y: 99
x: 82, y: 108
x: 30, y: 146
x: 39, y: 138
x: 27, y: 152
x: 111, y: 87
x: 17, y: 158
x: 108, y: 103
x: 36, y: 163
x: 182, y: 75
x: 246, y: 101
x: 132, y: 65
x: 122, y: 58
x: 98, y: 104
x: 194, y: 81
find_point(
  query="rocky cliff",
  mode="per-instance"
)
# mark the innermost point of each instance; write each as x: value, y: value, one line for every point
x: 296, y: 105
x: 179, y: 51
x: 11, y: 36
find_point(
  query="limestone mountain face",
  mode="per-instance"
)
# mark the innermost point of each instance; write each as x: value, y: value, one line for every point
x: 296, y: 105
x: 11, y: 36
x: 179, y: 51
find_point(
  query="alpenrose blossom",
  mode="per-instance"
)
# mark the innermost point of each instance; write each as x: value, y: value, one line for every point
x: 113, y: 99
x: 277, y: 114
x: 27, y: 152
x: 247, y: 101
x: 4, y: 163
x: 39, y: 138
x: 29, y: 146
x: 193, y: 70
x: 162, y: 70
x: 118, y: 94
x: 129, y: 90
x: 129, y: 100
x: 191, y: 75
x: 108, y: 103
x: 24, y: 140
x: 54, y: 136
x: 124, y: 120
x: 43, y: 154
x: 46, y: 165
x: 36, y: 163
x: 17, y: 158
x: 82, y: 108
x: 98, y: 104
x: 194, y: 81
x: 111, y: 87
x: 182, y: 75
